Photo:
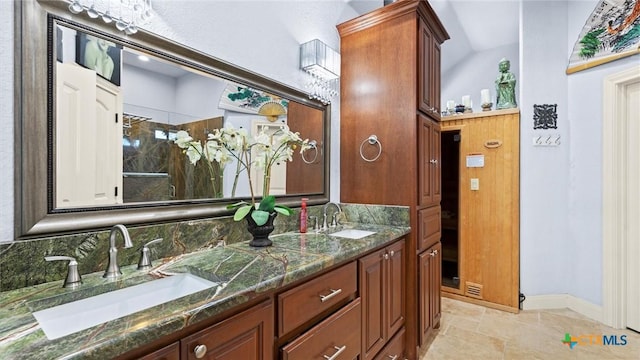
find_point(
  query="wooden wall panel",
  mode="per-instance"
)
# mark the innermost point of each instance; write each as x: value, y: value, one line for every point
x: 489, y: 217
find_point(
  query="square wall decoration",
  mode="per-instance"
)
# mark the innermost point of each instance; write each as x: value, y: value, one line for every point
x: 545, y: 116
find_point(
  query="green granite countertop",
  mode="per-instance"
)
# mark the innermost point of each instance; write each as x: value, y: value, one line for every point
x: 246, y: 273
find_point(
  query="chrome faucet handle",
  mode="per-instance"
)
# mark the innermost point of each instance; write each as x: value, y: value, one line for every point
x: 334, y: 219
x: 73, y: 279
x: 145, y: 258
x: 314, y: 219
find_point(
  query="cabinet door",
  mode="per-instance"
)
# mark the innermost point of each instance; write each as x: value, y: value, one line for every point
x: 394, y: 349
x: 429, y: 162
x: 435, y: 272
x: 429, y: 268
x: 428, y: 72
x: 425, y: 81
x: 395, y: 287
x: 436, y: 173
x: 430, y: 223
x: 424, y: 295
x: 248, y: 336
x: 435, y: 78
x: 372, y: 294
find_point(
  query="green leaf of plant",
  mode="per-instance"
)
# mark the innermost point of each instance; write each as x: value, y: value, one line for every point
x: 260, y: 217
x: 241, y: 212
x: 233, y: 206
x: 268, y: 203
x: 284, y: 210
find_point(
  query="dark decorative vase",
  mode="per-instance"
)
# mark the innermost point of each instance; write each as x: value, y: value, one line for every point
x: 261, y: 233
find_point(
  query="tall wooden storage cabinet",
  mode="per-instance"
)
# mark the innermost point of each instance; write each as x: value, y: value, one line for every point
x: 390, y: 88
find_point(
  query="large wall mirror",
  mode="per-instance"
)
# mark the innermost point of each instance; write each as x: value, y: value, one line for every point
x: 98, y: 113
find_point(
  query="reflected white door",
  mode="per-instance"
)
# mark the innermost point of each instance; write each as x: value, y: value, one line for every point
x: 278, y: 183
x: 88, y: 139
x: 632, y: 97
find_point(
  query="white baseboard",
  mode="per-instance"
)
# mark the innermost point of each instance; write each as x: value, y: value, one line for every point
x: 562, y: 301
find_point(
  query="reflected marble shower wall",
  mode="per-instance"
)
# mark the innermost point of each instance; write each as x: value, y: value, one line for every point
x: 156, y: 169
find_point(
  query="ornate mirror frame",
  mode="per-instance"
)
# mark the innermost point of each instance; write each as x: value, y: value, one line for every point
x: 34, y: 213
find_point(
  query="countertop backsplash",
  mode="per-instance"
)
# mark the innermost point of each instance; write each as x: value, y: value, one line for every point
x: 22, y: 263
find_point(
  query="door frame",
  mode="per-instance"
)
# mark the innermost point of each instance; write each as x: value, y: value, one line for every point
x: 614, y: 264
x: 448, y: 128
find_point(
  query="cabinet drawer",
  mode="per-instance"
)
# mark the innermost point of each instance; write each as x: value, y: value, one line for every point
x: 394, y: 350
x: 169, y: 352
x: 430, y: 228
x: 246, y: 336
x: 303, y: 302
x: 337, y: 337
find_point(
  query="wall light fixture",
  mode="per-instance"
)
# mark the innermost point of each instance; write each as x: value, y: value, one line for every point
x: 322, y: 63
x: 127, y: 15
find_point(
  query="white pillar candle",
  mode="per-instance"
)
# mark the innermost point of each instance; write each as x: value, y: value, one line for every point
x: 485, y: 96
x: 451, y: 105
x: 466, y: 101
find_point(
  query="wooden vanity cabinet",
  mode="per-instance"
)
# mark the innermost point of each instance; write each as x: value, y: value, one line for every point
x: 247, y: 336
x: 430, y: 279
x: 382, y: 289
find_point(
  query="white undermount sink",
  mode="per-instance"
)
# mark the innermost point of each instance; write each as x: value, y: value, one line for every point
x: 352, y: 233
x: 82, y: 314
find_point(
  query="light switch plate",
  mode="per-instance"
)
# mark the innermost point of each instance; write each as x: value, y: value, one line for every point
x: 475, y: 184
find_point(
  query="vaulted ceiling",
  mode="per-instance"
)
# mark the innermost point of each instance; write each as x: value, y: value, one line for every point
x: 473, y: 25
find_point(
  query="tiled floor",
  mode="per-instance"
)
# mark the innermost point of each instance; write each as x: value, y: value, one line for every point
x: 470, y: 331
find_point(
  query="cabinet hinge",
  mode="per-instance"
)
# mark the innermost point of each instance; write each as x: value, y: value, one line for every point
x: 116, y: 117
x: 115, y: 192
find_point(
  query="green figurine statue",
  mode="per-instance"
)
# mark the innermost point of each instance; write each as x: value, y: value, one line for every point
x: 505, y: 87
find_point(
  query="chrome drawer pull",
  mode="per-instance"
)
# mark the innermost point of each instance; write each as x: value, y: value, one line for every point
x: 324, y: 298
x: 340, y: 350
x: 393, y: 357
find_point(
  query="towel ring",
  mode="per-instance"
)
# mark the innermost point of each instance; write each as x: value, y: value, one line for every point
x: 372, y: 140
x: 314, y: 146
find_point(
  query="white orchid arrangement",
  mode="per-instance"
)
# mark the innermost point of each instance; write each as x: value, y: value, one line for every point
x: 226, y: 144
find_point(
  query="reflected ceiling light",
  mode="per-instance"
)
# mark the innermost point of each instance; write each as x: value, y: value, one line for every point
x: 322, y: 63
x: 128, y: 15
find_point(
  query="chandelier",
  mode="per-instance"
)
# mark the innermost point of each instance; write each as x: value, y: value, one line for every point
x: 127, y: 15
x: 322, y: 63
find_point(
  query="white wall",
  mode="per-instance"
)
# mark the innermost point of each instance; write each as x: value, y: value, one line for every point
x: 147, y: 93
x: 545, y: 243
x: 585, y: 163
x: 199, y: 96
x: 476, y: 72
x: 6, y: 120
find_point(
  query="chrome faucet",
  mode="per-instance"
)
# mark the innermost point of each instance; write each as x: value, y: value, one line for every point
x: 113, y: 270
x: 334, y: 221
